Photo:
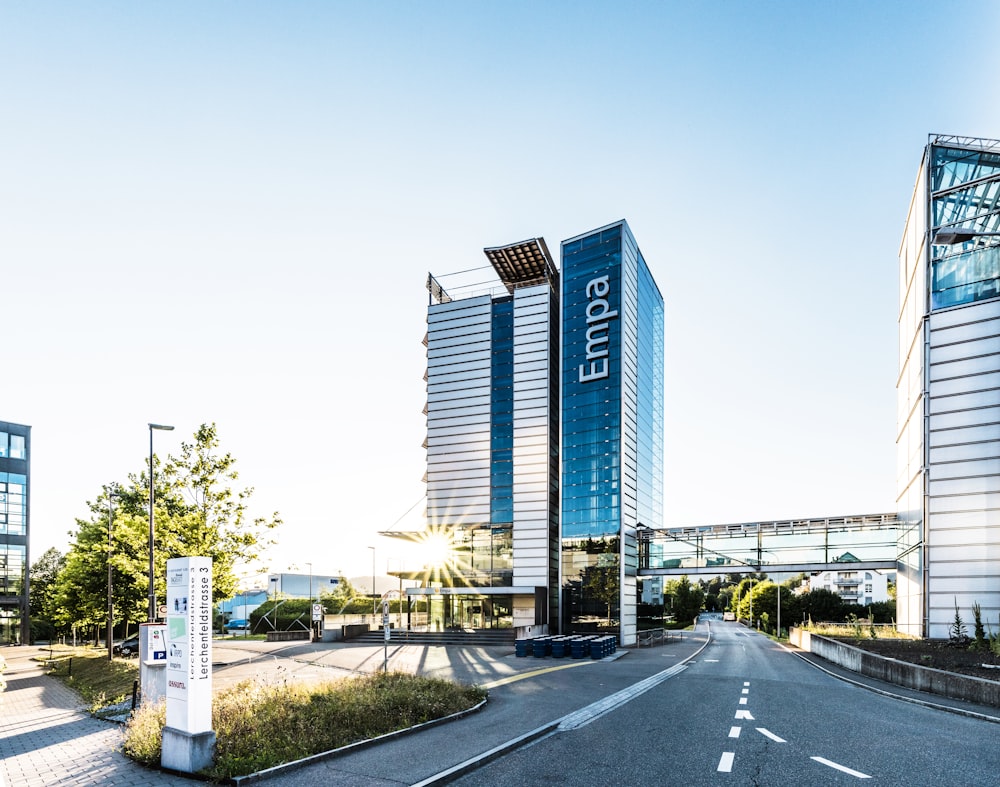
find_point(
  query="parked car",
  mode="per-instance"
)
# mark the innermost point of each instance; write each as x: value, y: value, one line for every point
x: 127, y: 647
x: 729, y: 616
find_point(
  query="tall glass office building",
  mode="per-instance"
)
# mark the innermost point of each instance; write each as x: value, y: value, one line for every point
x: 612, y: 426
x: 498, y: 388
x: 492, y: 446
x: 948, y: 389
x: 15, y: 474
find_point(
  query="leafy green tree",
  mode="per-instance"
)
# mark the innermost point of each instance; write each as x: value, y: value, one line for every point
x: 686, y: 599
x: 600, y: 583
x: 42, y: 576
x: 197, y: 513
x: 821, y: 604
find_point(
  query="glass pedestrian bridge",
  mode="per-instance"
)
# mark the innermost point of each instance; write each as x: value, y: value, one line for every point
x: 788, y: 546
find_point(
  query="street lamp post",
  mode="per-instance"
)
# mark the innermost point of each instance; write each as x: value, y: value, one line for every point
x: 152, y: 592
x: 112, y: 494
x: 374, y: 594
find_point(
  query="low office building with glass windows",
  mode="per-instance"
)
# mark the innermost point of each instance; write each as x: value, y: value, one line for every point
x: 15, y: 475
x: 523, y: 540
x: 948, y: 389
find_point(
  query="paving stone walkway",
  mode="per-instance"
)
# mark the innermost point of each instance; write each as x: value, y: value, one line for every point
x: 47, y: 737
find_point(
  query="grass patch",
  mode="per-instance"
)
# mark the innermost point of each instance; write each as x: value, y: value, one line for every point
x: 261, y: 725
x: 857, y: 631
x: 89, y: 673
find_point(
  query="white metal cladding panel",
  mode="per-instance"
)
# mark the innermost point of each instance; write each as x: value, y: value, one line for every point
x: 461, y: 475
x: 463, y: 352
x: 961, y: 453
x: 972, y: 366
x: 985, y: 531
x: 984, y: 415
x: 964, y: 469
x: 460, y: 386
x: 962, y: 558
x: 965, y: 384
x: 446, y: 487
x: 533, y: 368
x: 968, y: 349
x: 965, y: 332
x: 440, y: 376
x: 972, y: 313
x: 455, y: 311
x: 969, y: 434
x: 964, y: 520
x: 957, y: 503
x: 455, y: 453
x: 965, y: 486
x: 439, y: 412
x: 447, y: 420
x: 453, y: 514
x: 453, y: 364
x: 536, y: 490
x: 449, y: 399
x: 984, y: 583
x: 943, y: 404
x: 444, y: 429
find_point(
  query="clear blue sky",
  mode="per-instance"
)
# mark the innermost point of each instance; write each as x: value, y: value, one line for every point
x: 226, y: 212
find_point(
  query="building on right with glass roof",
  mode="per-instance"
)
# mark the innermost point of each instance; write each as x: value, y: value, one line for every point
x: 948, y: 389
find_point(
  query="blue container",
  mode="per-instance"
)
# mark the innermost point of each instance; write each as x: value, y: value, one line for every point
x: 580, y: 647
x: 541, y: 647
x: 521, y: 647
x: 559, y: 647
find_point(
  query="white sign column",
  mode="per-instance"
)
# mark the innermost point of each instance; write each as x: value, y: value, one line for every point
x: 188, y: 738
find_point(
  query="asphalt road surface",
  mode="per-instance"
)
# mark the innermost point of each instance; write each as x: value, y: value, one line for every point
x: 746, y: 711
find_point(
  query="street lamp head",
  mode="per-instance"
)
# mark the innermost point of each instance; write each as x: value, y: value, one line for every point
x: 162, y: 427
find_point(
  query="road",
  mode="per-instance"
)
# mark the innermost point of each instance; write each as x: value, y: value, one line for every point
x: 748, y: 712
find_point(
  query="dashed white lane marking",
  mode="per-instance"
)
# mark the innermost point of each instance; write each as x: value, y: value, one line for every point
x: 710, y: 661
x: 843, y: 768
x: 771, y: 735
x: 746, y: 683
x: 734, y: 732
x: 744, y: 714
x: 726, y: 762
x: 745, y: 691
x: 743, y: 700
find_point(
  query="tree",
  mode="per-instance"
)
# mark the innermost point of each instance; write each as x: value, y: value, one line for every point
x: 600, y: 583
x: 686, y: 599
x: 196, y: 513
x: 42, y: 576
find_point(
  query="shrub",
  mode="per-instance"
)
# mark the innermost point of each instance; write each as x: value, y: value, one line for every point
x: 259, y: 725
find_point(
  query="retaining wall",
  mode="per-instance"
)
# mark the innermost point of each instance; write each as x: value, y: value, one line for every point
x: 901, y: 673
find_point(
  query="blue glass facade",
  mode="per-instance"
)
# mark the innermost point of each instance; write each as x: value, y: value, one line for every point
x: 965, y: 195
x: 612, y: 425
x: 15, y: 484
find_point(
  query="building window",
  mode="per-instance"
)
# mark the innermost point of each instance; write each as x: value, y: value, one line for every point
x: 3, y: 445
x: 868, y: 588
x: 17, y: 446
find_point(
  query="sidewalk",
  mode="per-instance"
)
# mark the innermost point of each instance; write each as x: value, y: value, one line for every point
x: 48, y: 738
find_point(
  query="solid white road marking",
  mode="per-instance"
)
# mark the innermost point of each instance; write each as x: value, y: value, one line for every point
x: 743, y: 700
x: 726, y: 762
x: 734, y: 732
x: 744, y: 714
x: 771, y: 735
x: 841, y: 768
x: 710, y: 661
x: 745, y: 691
